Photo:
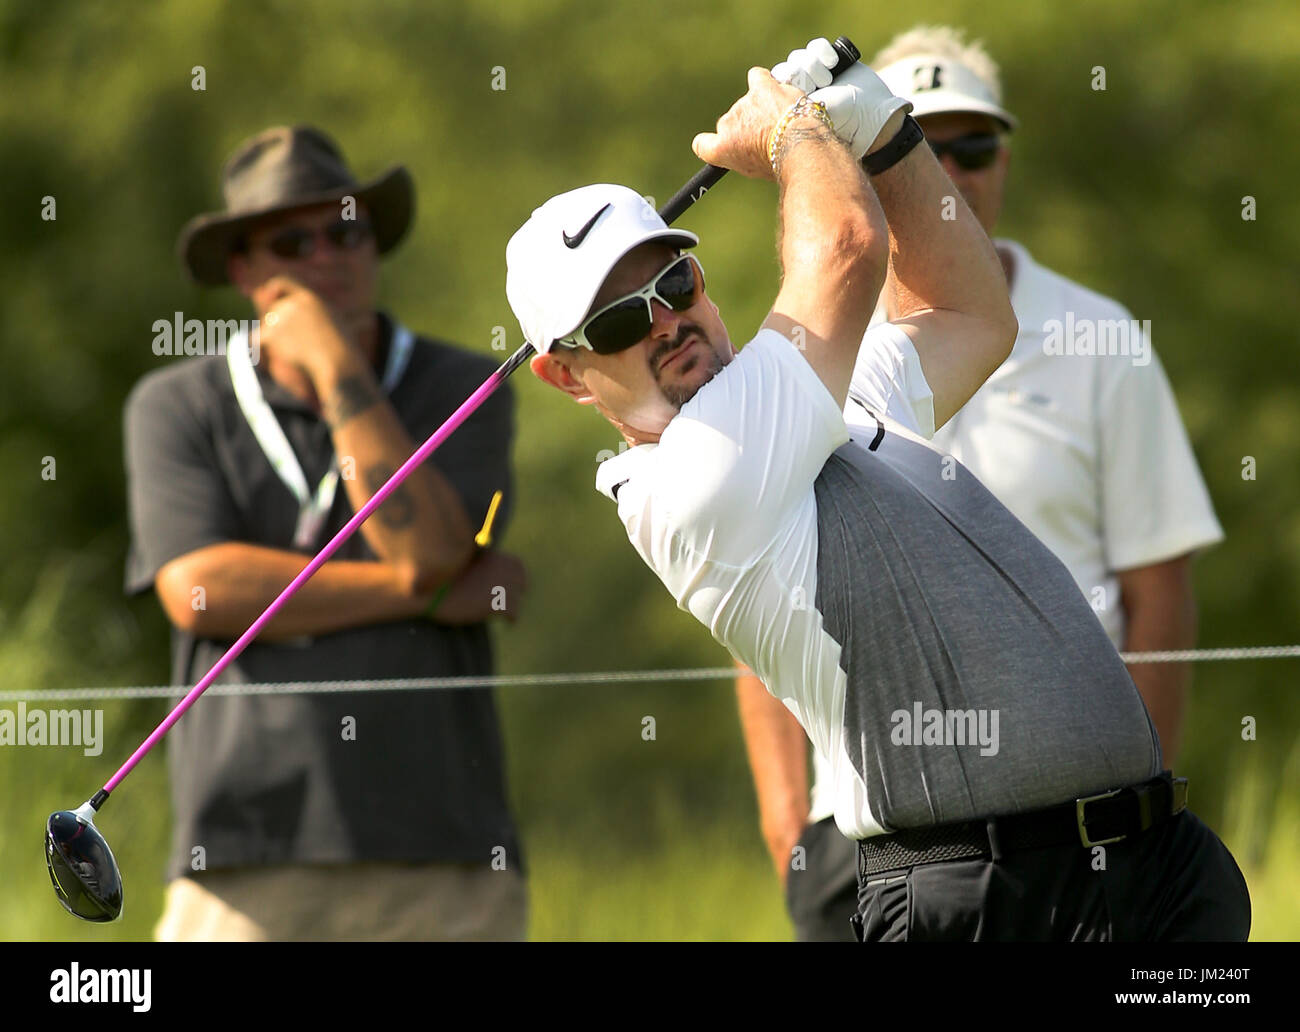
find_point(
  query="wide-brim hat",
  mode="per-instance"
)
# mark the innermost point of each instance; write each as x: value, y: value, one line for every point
x: 280, y: 169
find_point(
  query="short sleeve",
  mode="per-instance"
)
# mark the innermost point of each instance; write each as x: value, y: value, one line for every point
x: 1155, y: 505
x: 741, y: 454
x: 177, y: 499
x: 888, y: 379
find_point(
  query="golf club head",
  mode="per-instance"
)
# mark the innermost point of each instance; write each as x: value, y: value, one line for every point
x: 82, y: 868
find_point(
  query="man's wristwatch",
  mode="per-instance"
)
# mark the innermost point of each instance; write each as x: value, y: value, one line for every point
x: 896, y: 149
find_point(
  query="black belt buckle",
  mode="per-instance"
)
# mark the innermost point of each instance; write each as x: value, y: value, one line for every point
x: 1080, y: 807
x: 1167, y: 790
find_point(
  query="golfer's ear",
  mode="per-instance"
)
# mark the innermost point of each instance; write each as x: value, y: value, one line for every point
x: 550, y: 369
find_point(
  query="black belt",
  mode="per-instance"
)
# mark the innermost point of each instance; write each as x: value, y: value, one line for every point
x: 1095, y: 820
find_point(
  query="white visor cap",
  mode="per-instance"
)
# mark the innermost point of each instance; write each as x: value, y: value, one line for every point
x: 939, y: 85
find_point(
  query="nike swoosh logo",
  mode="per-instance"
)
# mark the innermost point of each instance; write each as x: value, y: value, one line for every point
x: 577, y: 238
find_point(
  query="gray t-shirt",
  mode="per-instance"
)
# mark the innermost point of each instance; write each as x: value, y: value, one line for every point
x: 266, y: 779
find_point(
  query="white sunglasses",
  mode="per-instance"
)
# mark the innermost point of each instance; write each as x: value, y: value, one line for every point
x: 626, y: 320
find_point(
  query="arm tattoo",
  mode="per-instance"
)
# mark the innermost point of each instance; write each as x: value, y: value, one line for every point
x: 353, y: 396
x: 398, y: 510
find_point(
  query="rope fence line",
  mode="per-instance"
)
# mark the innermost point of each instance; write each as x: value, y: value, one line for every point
x: 1213, y: 655
x: 528, y: 680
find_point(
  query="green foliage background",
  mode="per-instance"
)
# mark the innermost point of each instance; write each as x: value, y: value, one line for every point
x: 1136, y: 191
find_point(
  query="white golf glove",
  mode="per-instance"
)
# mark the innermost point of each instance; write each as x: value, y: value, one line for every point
x: 859, y: 103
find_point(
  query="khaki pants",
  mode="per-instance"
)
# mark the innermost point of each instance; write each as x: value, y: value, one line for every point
x: 346, y: 902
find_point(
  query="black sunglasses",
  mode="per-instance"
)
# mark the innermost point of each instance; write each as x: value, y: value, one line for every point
x: 970, y: 152
x: 623, y: 322
x: 300, y: 242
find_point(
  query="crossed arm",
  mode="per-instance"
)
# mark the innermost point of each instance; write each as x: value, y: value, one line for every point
x: 422, y: 537
x: 422, y: 527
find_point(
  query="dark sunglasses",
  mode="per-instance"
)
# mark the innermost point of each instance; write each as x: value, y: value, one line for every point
x: 970, y: 152
x: 623, y: 322
x: 299, y: 242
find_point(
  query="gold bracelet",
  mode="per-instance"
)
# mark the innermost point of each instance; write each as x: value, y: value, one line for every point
x: 802, y: 106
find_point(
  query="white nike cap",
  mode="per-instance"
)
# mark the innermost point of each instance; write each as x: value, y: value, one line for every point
x: 939, y: 85
x: 556, y: 261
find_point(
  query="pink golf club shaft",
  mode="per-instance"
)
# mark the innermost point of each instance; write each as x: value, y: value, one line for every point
x: 423, y: 452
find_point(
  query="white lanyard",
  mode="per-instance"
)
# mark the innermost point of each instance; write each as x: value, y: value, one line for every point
x: 312, y: 509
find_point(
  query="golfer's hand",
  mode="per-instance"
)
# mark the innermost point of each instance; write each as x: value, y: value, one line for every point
x: 740, y: 143
x: 493, y: 585
x: 858, y: 103
x: 298, y: 328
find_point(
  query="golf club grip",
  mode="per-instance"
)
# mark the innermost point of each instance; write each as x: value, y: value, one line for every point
x: 709, y: 175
